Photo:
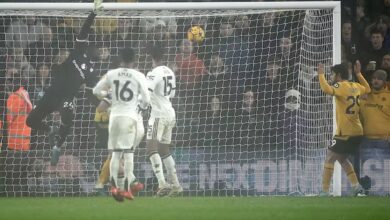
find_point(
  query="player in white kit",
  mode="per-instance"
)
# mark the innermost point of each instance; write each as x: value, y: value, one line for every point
x: 162, y: 86
x: 128, y: 91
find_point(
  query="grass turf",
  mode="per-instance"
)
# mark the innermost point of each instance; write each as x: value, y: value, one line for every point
x: 199, y: 208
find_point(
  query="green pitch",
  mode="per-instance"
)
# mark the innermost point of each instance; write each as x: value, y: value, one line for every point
x: 199, y: 208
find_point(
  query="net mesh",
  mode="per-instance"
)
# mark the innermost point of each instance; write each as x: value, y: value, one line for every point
x: 251, y: 119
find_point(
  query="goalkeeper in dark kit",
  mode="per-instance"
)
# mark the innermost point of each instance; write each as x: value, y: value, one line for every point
x: 76, y: 72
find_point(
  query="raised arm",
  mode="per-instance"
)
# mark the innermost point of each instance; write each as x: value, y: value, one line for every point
x: 83, y: 35
x: 359, y: 76
x: 323, y: 83
x: 82, y: 38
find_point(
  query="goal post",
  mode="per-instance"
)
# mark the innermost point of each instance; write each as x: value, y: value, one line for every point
x: 251, y: 118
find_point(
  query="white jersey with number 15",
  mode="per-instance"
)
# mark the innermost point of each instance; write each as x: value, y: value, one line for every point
x: 128, y: 88
x: 162, y: 87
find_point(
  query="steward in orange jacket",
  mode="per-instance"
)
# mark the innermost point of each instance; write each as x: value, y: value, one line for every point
x: 18, y: 108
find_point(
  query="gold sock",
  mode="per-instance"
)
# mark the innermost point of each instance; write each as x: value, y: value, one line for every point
x: 348, y: 168
x: 105, y: 172
x: 326, y: 176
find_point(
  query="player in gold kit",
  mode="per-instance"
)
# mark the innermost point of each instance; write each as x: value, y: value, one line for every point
x: 349, y: 128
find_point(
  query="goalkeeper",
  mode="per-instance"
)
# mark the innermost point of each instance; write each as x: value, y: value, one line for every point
x: 73, y: 74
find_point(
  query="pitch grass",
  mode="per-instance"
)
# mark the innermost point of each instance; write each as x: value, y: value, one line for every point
x: 199, y: 208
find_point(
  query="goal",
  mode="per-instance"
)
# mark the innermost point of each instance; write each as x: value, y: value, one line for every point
x: 251, y: 118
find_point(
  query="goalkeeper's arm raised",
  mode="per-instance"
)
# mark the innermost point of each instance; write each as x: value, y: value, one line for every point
x: 82, y: 38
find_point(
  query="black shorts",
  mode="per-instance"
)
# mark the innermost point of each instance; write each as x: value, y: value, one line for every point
x: 349, y: 146
x: 50, y: 103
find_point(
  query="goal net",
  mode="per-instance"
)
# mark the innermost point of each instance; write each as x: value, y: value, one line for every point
x: 251, y: 119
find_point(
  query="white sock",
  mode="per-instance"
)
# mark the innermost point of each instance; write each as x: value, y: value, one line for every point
x: 114, y: 166
x: 129, y: 168
x: 155, y: 159
x: 171, y: 170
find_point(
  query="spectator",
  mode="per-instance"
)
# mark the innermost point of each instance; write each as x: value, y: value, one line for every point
x: 237, y: 52
x: 361, y: 20
x: 158, y: 27
x: 105, y: 61
x: 213, y: 123
x: 375, y: 116
x: 157, y: 31
x: 349, y: 41
x: 242, y: 25
x: 382, y: 24
x: 215, y: 82
x: 22, y: 32
x: 271, y: 94
x: 41, y: 82
x: 376, y: 49
x: 18, y: 135
x: 65, y: 32
x: 43, y: 50
x: 17, y: 60
x: 245, y: 120
x: 289, y: 60
x: 127, y: 35
x: 386, y: 65
x: 375, y: 110
x: 190, y: 68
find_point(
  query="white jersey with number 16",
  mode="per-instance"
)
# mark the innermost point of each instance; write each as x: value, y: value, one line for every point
x: 128, y: 87
x: 162, y: 87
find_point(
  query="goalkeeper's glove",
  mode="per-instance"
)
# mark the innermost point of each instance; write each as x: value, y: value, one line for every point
x: 98, y: 7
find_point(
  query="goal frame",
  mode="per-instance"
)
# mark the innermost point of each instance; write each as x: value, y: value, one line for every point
x: 334, y: 5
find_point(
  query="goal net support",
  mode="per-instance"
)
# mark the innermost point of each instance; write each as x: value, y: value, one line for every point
x: 251, y: 118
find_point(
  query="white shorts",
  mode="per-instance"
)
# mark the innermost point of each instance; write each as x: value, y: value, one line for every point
x: 122, y: 133
x: 160, y: 129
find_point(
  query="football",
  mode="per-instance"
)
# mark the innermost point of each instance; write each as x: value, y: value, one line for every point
x: 196, y: 34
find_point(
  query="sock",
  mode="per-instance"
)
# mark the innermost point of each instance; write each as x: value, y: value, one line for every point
x: 155, y: 159
x: 129, y: 169
x: 105, y: 173
x: 348, y: 169
x: 114, y: 168
x: 171, y: 170
x: 326, y: 176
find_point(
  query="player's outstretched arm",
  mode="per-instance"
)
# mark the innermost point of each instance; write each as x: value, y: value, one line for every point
x: 358, y: 72
x: 83, y: 35
x: 323, y: 83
